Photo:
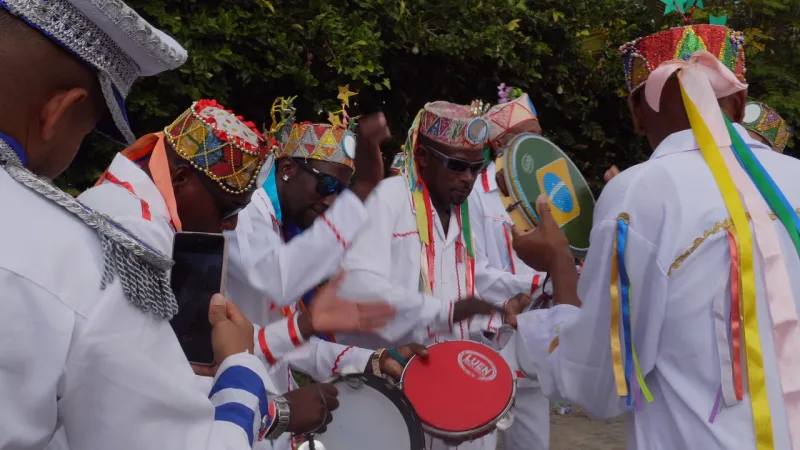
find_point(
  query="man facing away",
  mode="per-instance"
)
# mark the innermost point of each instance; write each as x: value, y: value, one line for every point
x: 685, y: 317
x: 84, y: 341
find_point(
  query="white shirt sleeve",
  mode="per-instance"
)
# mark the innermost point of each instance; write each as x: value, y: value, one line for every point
x: 368, y: 267
x: 322, y: 359
x: 571, y: 347
x: 283, y: 272
x: 492, y: 284
x: 116, y: 379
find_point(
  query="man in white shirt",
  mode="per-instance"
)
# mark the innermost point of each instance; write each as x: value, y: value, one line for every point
x: 672, y: 270
x: 417, y: 249
x: 85, y: 341
x: 500, y: 274
x: 212, y: 163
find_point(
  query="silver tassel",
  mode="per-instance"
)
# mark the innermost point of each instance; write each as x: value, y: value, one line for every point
x: 142, y: 270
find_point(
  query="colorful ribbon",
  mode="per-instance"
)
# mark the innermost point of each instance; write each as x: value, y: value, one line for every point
x: 702, y: 81
x: 780, y: 299
x: 621, y: 304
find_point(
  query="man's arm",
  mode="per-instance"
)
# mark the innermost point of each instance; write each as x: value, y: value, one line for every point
x: 570, y: 344
x: 283, y: 272
x: 492, y: 284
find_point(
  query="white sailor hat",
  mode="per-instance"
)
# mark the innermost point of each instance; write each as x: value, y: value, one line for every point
x: 109, y: 36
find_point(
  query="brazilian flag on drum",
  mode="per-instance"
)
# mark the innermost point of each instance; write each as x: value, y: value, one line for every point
x: 532, y: 165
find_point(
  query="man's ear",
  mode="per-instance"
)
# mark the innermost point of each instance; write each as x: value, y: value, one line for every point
x: 180, y: 174
x: 286, y: 166
x: 735, y: 106
x: 635, y: 106
x: 422, y: 157
x: 58, y: 107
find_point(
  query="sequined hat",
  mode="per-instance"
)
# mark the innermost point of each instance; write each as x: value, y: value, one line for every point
x: 505, y: 116
x: 644, y: 55
x: 220, y: 144
x: 110, y: 37
x: 324, y: 142
x: 453, y: 124
x: 766, y: 122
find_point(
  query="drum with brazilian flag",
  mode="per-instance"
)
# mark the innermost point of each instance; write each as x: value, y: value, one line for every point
x: 532, y: 165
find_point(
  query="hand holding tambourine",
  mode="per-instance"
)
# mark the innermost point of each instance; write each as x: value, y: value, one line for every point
x: 541, y: 247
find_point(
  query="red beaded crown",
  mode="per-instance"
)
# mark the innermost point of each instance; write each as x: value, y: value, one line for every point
x: 644, y: 55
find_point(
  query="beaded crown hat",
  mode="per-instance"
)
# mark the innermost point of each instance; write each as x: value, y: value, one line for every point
x: 452, y: 124
x: 644, y: 55
x: 110, y: 37
x: 766, y: 122
x: 334, y: 142
x: 505, y: 116
x: 220, y: 144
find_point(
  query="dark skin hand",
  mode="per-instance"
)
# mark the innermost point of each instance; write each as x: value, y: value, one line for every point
x: 546, y: 249
x: 472, y: 306
x: 393, y: 368
x: 372, y: 132
x: 310, y: 407
x: 330, y: 313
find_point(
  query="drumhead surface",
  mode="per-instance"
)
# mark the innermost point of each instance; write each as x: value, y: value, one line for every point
x: 372, y: 414
x: 533, y: 165
x: 462, y: 386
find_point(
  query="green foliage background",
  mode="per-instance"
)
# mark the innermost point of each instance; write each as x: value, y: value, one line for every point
x: 400, y: 54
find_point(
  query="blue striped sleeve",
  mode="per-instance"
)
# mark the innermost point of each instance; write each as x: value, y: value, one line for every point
x: 235, y: 394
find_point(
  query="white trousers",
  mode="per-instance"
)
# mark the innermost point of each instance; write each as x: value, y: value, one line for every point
x: 531, y: 427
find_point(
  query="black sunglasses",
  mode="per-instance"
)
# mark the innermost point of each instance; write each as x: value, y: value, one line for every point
x: 326, y: 184
x: 459, y: 165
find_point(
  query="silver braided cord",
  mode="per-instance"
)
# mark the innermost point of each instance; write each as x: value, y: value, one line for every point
x: 142, y: 270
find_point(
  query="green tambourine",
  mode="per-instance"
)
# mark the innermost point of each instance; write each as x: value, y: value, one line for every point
x: 531, y: 166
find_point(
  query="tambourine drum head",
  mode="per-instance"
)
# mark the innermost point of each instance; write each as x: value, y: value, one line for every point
x: 462, y: 386
x: 532, y: 165
x: 372, y: 414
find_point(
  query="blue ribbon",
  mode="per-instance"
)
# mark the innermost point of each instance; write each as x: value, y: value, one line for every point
x: 772, y: 185
x: 23, y: 157
x: 270, y: 186
x: 622, y: 234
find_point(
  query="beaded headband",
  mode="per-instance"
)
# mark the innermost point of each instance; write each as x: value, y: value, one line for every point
x: 223, y: 146
x: 334, y: 142
x: 110, y: 37
x: 644, y: 55
x: 505, y: 116
x: 454, y: 125
x: 766, y: 122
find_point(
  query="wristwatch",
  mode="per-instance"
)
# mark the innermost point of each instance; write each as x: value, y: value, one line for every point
x: 375, y: 361
x: 280, y: 423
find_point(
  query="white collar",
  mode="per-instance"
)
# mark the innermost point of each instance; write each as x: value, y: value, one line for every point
x: 684, y: 141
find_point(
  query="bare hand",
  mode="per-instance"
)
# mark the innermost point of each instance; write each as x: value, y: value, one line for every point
x: 333, y: 314
x: 515, y: 306
x: 310, y: 407
x: 393, y: 368
x: 231, y: 332
x: 610, y: 173
x: 372, y: 132
x: 541, y: 247
x: 471, y: 307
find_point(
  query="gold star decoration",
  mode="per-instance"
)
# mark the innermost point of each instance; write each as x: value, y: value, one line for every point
x: 344, y: 95
x: 334, y: 120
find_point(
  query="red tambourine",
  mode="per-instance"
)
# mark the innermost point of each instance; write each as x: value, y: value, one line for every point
x: 465, y: 390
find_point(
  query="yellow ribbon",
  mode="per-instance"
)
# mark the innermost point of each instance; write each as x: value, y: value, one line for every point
x: 616, y: 306
x: 762, y: 420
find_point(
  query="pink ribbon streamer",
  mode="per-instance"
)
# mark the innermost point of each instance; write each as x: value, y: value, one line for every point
x: 780, y: 299
x: 704, y: 79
